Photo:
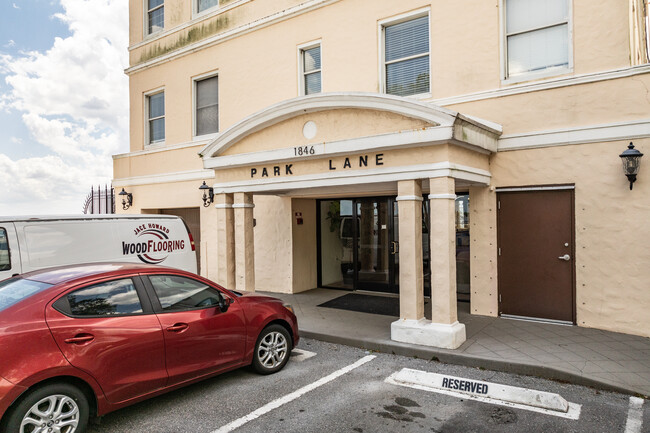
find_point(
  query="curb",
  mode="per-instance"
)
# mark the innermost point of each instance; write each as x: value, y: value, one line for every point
x: 445, y: 357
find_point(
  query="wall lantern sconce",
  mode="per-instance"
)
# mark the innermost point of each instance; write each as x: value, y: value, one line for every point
x: 631, y: 162
x: 126, y: 201
x: 208, y: 194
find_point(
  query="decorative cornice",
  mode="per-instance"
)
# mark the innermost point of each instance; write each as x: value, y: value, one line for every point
x: 434, y: 115
x: 552, y: 83
x: 618, y: 131
x: 230, y: 34
x: 179, y: 176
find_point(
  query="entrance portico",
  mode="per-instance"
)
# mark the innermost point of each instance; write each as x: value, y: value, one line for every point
x: 328, y: 146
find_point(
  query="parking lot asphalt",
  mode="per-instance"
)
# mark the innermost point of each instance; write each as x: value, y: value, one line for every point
x: 345, y: 389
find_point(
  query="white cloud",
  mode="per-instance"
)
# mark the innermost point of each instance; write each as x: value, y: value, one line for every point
x: 10, y: 43
x: 74, y: 101
x: 15, y: 6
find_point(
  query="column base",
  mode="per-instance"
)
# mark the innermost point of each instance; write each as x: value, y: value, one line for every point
x: 426, y: 333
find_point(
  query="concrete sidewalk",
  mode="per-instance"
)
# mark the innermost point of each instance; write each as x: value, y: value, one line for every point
x: 602, y: 359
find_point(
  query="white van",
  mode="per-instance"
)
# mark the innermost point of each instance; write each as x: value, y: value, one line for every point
x: 29, y: 243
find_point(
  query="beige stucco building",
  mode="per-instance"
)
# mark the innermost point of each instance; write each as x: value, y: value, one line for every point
x: 457, y: 151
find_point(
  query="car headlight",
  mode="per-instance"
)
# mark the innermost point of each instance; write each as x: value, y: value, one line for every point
x: 289, y: 307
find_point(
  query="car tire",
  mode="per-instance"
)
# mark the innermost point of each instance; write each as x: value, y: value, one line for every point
x: 57, y: 403
x: 272, y: 350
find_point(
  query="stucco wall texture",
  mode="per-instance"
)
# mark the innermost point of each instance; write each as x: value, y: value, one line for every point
x: 611, y: 230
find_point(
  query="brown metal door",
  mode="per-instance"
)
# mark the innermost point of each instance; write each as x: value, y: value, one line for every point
x: 536, y: 264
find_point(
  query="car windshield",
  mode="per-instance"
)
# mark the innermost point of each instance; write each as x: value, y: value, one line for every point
x: 15, y: 290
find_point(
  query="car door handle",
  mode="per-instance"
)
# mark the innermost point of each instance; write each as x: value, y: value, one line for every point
x: 178, y: 327
x: 80, y: 339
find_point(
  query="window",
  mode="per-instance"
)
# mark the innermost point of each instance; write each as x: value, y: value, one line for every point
x: 406, y: 57
x: 310, y: 70
x: 207, y: 106
x: 111, y: 298
x: 5, y: 258
x: 155, y: 15
x: 180, y: 293
x: 156, y: 117
x: 536, y: 36
x: 202, y: 5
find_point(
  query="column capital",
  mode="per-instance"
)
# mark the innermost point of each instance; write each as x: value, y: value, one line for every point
x: 409, y: 198
x: 442, y: 196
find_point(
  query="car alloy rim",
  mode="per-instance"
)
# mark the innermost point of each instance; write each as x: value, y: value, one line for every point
x: 53, y: 414
x: 272, y: 350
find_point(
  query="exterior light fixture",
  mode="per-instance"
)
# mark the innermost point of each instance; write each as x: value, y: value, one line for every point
x: 631, y: 162
x: 208, y: 194
x: 126, y: 201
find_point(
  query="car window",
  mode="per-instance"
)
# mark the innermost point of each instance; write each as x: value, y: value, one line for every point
x: 180, y: 293
x: 15, y: 290
x: 111, y: 298
x: 5, y: 258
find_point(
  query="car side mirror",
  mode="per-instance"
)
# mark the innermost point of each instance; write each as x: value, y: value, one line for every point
x: 224, y: 304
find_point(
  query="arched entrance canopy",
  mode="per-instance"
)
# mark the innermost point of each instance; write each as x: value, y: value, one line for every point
x: 261, y: 153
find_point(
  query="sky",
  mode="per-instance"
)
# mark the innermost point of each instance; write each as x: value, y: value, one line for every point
x: 63, y: 101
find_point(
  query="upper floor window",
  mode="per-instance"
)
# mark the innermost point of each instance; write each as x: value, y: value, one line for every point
x: 155, y: 15
x: 207, y: 106
x: 155, y: 117
x: 406, y: 57
x: 310, y: 70
x: 202, y: 5
x: 537, y: 36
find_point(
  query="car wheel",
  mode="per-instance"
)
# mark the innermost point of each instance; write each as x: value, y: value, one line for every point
x: 54, y: 408
x: 272, y: 350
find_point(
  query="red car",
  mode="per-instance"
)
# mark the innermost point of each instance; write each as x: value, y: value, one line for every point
x: 80, y: 341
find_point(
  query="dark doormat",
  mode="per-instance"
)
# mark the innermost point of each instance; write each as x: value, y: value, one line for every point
x: 384, y: 305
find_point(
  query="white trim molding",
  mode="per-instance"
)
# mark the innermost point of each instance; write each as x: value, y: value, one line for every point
x: 409, y: 198
x: 434, y: 115
x: 553, y: 83
x: 164, y: 148
x: 443, y: 196
x: 243, y: 206
x: 356, y: 177
x: 536, y: 188
x: 223, y: 206
x: 619, y: 131
x: 179, y: 176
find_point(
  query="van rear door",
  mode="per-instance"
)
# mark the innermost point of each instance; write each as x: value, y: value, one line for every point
x: 9, y: 252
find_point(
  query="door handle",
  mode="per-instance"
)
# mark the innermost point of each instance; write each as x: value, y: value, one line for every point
x: 394, y: 247
x: 565, y: 257
x: 80, y: 339
x: 178, y: 327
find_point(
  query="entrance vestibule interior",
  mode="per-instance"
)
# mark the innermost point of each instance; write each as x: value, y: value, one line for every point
x: 365, y: 256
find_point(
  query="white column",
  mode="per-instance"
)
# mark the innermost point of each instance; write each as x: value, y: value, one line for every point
x: 244, y: 242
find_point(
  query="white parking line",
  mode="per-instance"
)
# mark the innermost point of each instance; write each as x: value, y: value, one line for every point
x: 634, y: 416
x: 299, y: 355
x: 290, y: 397
x: 573, y: 411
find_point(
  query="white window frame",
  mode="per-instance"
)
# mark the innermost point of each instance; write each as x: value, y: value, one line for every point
x: 194, y: 102
x: 550, y: 72
x: 382, y: 24
x: 145, y: 19
x: 301, y: 65
x: 147, y: 137
x: 195, y: 8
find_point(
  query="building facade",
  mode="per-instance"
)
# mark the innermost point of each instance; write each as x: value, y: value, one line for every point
x: 455, y: 151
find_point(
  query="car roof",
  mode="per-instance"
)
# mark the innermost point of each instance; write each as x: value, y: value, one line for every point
x: 31, y: 218
x: 63, y: 274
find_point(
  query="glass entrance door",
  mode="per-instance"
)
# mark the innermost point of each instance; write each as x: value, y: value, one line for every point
x: 359, y: 244
x: 377, y: 245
